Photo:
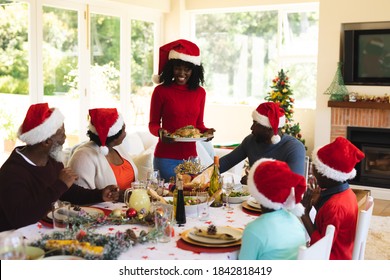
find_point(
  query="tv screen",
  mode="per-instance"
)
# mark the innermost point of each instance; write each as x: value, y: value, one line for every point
x: 373, y: 54
x: 366, y: 57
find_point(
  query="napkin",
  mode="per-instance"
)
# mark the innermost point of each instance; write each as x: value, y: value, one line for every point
x: 223, y: 236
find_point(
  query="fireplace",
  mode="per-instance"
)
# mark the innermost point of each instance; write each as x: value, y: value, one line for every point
x: 374, y: 169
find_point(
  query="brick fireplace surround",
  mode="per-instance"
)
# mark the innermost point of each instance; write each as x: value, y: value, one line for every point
x: 360, y: 114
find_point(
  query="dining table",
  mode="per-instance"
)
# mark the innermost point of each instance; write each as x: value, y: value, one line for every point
x: 176, y: 248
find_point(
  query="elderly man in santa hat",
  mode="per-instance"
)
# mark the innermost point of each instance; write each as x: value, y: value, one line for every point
x: 334, y: 200
x: 33, y: 176
x: 267, y: 141
x: 277, y: 233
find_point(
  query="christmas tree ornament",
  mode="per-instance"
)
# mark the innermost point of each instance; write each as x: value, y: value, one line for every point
x: 337, y: 89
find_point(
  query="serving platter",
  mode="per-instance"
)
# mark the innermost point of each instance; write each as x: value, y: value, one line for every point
x: 185, y: 237
x: 63, y: 257
x: 93, y: 212
x: 188, y: 139
x: 236, y: 233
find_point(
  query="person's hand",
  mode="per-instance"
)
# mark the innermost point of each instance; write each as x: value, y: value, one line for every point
x: 209, y: 133
x: 163, y: 135
x: 311, y: 195
x: 68, y: 176
x: 110, y: 193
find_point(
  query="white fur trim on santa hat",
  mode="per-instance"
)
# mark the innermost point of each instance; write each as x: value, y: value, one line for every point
x: 329, y: 172
x: 185, y: 57
x: 43, y: 131
x: 114, y: 129
x: 264, y: 121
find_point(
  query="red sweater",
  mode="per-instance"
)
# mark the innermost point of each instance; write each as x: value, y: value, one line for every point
x: 174, y: 107
x: 341, y: 210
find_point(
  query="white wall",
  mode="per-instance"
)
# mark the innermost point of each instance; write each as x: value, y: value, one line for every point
x: 332, y: 14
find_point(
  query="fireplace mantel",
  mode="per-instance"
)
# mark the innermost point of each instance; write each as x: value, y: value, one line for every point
x: 360, y: 104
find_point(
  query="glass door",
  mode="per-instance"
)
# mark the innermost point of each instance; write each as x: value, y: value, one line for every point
x: 60, y: 59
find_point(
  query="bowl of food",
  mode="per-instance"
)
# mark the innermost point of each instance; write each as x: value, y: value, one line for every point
x: 191, y: 204
x: 239, y: 194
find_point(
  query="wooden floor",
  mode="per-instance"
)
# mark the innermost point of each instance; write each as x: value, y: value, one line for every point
x: 381, y: 207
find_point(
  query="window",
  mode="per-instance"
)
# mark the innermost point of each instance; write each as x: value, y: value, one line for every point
x: 242, y: 51
x: 76, y: 57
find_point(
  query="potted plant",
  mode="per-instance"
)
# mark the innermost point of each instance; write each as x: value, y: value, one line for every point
x: 8, y: 131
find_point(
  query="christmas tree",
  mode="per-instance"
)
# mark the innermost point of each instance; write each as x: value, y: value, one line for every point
x: 281, y: 93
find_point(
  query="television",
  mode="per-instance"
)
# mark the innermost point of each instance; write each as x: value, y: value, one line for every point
x: 365, y: 54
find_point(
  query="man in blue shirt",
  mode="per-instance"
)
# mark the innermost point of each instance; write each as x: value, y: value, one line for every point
x: 267, y: 141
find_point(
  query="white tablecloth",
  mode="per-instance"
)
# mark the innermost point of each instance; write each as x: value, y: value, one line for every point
x: 162, y: 251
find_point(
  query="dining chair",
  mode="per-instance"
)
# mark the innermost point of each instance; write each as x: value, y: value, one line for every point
x: 362, y: 227
x: 319, y: 250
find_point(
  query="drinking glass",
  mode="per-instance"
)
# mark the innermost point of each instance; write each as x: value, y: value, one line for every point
x: 153, y: 179
x: 12, y: 247
x: 163, y: 216
x: 203, y: 206
x: 60, y: 213
x: 227, y: 188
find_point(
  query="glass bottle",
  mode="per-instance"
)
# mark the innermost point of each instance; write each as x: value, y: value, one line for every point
x: 180, y: 213
x: 215, y: 185
x: 174, y: 200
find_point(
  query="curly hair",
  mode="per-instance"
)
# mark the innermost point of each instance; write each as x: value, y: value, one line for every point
x: 95, y: 138
x: 196, y: 79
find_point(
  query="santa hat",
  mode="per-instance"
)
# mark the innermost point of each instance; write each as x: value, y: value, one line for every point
x: 105, y: 122
x: 270, y: 114
x: 272, y: 183
x: 40, y: 123
x: 337, y: 160
x: 179, y: 49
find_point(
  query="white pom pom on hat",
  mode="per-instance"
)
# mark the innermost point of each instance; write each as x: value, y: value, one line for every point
x: 270, y: 114
x: 272, y: 183
x: 105, y: 122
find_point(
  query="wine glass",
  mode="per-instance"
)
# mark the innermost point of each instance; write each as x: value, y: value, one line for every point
x: 12, y: 247
x: 227, y: 188
x: 153, y: 179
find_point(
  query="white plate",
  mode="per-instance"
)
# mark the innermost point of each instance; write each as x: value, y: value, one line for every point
x: 188, y: 139
x: 252, y: 202
x: 63, y: 257
x: 89, y: 210
x: 236, y: 233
